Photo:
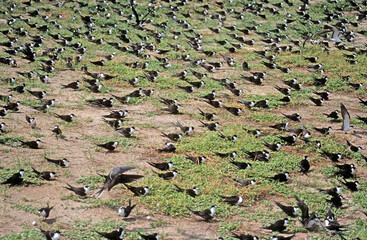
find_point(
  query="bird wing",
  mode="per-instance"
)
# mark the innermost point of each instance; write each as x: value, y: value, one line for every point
x: 304, y: 208
x: 118, y: 170
x: 346, y: 118
x: 314, y: 35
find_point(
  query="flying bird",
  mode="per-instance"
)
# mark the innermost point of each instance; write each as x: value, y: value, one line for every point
x: 117, y: 176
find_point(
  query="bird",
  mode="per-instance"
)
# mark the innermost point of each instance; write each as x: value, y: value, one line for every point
x: 95, y: 88
x: 290, y: 140
x: 110, y: 146
x: 336, y: 200
x: 324, y: 95
x: 45, y: 175
x: 31, y: 121
x: 44, y: 108
x: 117, y: 114
x: 216, y: 104
x: 168, y: 147
x: 73, y: 85
x: 255, y: 132
x: 67, y: 118
x: 346, y: 118
x: 317, y: 101
x: 172, y: 136
x: 15, y: 179
x: 167, y: 175
x: 235, y: 111
x: 196, y: 84
x: 333, y: 115
x: 324, y: 131
x: 125, y: 211
x: 363, y: 119
x: 210, y: 96
x: 285, y: 91
x: 334, y: 157
x: 18, y: 89
x: 31, y: 144
x: 211, y: 126
x: 304, y: 165
x: 168, y: 101
x: 61, y: 162
x: 243, y: 236
x: 254, y: 79
x: 13, y: 106
x: 117, y: 176
x: 247, y: 104
x: 153, y: 236
x: 123, y: 100
x: 232, y: 200
x: 207, y: 214
x: 192, y: 192
x: 232, y: 155
x: 312, y: 59
x: 346, y: 170
x: 45, y: 212
x: 127, y: 132
x: 116, y: 123
x: 229, y: 138
x: 114, y: 235
x: 188, y: 89
x: 207, y: 116
x: 173, y: 109
x: 273, y: 147
x: 281, y: 177
x: 241, y: 165
x: 185, y: 129
x: 258, y: 155
x: 331, y: 191
x: 352, y: 186
x: 38, y: 94
x: 294, y: 117
x: 163, y: 166
x: 56, y: 129
x: 196, y: 160
x: 282, y: 237
x: 51, y: 235
x: 80, y: 191
x: 2, y: 127
x: 289, y: 210
x: 138, y: 191
x: 278, y: 226
x: 280, y: 126
x: 334, y: 226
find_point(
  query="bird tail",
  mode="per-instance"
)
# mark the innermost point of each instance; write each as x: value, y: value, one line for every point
x: 35, y: 171
x: 179, y: 124
x: 191, y: 210
x: 99, y: 192
x: 178, y: 188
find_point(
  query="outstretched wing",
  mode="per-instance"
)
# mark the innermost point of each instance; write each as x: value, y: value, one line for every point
x: 346, y: 118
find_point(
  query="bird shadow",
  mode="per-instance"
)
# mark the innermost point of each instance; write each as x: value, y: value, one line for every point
x: 111, y: 152
x: 130, y: 219
x: 335, y: 120
x: 50, y: 221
